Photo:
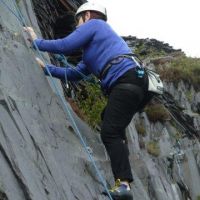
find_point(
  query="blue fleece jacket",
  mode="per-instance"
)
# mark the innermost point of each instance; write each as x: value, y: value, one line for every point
x: 100, y: 44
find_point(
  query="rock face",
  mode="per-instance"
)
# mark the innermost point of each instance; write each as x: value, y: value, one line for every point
x: 41, y: 156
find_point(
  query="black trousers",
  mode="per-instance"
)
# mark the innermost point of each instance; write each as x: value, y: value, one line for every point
x: 125, y: 99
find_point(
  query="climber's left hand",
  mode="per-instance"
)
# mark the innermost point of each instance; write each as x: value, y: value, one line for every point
x: 31, y: 32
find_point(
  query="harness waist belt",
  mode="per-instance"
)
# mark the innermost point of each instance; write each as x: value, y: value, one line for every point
x: 115, y: 60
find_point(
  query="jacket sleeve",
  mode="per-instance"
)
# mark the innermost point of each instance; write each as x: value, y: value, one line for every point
x: 67, y: 73
x: 77, y: 39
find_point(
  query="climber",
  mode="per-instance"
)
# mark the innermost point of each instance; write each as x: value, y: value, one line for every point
x: 105, y: 55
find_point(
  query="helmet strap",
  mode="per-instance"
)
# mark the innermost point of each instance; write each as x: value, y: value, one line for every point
x: 83, y: 17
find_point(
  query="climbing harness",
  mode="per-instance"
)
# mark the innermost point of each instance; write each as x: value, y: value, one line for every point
x: 117, y: 60
x: 20, y: 17
x: 155, y: 85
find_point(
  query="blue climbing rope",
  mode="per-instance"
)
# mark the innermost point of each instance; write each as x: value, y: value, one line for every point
x: 20, y: 17
x: 13, y: 12
x: 61, y: 58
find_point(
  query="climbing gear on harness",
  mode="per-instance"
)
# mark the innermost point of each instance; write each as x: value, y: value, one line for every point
x: 139, y: 65
x: 155, y: 84
x: 121, y: 191
x: 91, y: 6
x: 139, y: 72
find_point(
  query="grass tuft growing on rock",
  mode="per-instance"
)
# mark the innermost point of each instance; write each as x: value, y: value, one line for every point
x: 182, y: 68
x: 153, y: 148
x: 157, y: 112
x: 91, y: 103
x: 140, y: 129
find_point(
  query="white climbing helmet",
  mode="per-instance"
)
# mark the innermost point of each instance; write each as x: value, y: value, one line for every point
x: 93, y: 7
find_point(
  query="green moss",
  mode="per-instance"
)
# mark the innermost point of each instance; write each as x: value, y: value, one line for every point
x: 140, y: 129
x: 177, y: 135
x: 157, y: 112
x: 153, y: 148
x: 198, y: 197
x: 91, y: 102
x: 189, y: 95
x: 182, y: 68
x: 139, y: 48
x: 146, y: 51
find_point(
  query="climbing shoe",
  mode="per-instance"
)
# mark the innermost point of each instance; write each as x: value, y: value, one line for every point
x: 120, y: 191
